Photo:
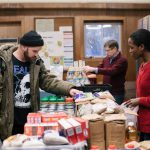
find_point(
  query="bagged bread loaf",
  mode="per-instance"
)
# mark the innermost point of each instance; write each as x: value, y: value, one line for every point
x: 52, y: 138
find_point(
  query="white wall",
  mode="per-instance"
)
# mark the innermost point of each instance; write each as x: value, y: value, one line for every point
x: 76, y: 1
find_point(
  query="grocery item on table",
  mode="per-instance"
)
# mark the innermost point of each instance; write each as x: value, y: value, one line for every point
x: 52, y: 137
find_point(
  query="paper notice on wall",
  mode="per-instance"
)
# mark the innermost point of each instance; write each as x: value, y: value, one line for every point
x: 44, y: 25
x: 65, y: 28
x: 53, y: 46
x: 68, y: 45
x: 57, y: 60
x: 57, y: 70
x: 68, y: 61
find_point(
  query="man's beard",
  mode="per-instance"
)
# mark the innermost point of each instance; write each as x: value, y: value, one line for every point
x: 26, y: 56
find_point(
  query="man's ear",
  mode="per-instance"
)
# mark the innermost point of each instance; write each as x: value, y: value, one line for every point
x: 24, y: 48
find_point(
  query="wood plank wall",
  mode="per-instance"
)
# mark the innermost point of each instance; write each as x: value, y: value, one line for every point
x: 23, y: 17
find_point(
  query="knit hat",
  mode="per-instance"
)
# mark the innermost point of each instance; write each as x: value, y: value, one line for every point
x: 31, y: 38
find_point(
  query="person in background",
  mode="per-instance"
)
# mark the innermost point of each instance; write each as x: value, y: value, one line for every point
x: 22, y: 73
x: 114, y: 68
x: 139, y: 43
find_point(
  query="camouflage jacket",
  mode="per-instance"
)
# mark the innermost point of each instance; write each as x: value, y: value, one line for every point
x: 39, y: 78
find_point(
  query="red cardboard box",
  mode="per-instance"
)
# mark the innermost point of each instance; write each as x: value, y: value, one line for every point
x: 53, y: 117
x: 33, y: 129
x: 77, y: 128
x: 85, y: 127
x: 34, y: 118
x: 38, y: 129
x: 67, y: 130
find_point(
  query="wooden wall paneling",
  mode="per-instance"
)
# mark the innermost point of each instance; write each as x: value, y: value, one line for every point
x: 77, y: 38
x: 63, y: 21
x: 56, y: 6
x: 58, y: 21
x: 131, y: 27
x: 11, y: 27
x: 29, y: 23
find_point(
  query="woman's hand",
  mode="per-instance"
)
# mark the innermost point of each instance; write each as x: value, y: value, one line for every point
x: 132, y: 102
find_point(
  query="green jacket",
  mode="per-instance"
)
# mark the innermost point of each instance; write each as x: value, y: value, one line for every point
x: 39, y: 77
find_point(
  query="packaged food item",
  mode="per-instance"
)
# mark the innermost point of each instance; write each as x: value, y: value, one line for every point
x: 52, y: 98
x: 52, y: 138
x: 14, y: 140
x: 33, y: 142
x: 70, y: 107
x: 44, y: 99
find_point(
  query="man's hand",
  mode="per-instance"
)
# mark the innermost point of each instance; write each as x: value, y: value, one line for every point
x: 89, y: 69
x: 132, y: 102
x: 73, y: 92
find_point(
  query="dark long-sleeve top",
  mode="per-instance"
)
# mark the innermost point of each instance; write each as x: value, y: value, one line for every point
x: 143, y: 92
x: 114, y: 71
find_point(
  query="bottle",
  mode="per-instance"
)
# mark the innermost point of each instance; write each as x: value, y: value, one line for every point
x: 112, y: 147
x: 94, y: 147
x: 131, y: 132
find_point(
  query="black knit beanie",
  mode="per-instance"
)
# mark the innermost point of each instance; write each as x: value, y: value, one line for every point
x: 31, y: 38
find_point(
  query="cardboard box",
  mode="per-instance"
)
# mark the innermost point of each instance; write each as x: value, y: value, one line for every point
x: 33, y: 129
x: 34, y: 118
x: 53, y: 117
x: 97, y: 133
x: 67, y: 130
x: 85, y: 126
x: 77, y: 128
x: 115, y: 133
x: 38, y: 129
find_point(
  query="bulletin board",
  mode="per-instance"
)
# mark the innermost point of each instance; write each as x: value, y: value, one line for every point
x: 57, y: 30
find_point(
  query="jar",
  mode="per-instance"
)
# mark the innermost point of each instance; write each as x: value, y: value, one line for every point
x: 70, y: 106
